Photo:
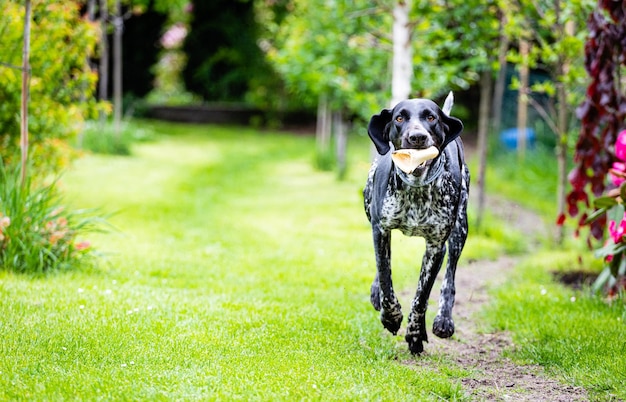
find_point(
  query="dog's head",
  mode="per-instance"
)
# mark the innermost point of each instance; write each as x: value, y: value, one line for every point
x: 413, y: 124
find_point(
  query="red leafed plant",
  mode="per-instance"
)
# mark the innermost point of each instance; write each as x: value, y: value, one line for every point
x: 602, y: 116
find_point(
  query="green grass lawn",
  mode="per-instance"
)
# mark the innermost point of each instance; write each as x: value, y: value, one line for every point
x: 578, y: 336
x: 237, y: 271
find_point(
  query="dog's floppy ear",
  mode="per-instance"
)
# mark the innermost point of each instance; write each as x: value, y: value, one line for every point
x: 453, y: 128
x: 378, y: 130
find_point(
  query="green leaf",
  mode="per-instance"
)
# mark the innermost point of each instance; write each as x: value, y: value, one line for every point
x: 617, y: 264
x: 595, y: 215
x: 622, y: 268
x: 604, y: 202
x: 616, y: 213
x: 605, y: 251
x: 602, y: 279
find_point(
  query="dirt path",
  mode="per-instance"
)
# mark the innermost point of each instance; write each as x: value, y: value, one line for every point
x: 494, y: 377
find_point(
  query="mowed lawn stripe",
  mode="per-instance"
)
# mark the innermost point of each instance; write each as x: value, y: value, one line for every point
x: 238, y: 271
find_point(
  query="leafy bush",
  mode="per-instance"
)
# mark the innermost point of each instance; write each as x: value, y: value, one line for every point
x: 102, y: 139
x: 37, y: 234
x: 612, y: 206
x: 61, y: 83
x: 602, y: 113
x: 600, y: 150
x: 231, y: 65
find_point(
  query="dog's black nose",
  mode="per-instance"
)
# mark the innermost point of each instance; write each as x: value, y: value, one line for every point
x: 417, y: 138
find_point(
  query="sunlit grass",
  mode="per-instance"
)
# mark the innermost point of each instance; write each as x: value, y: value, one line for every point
x: 576, y: 337
x: 237, y: 272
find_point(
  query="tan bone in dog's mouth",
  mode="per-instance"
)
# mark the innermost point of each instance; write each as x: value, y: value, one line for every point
x: 410, y: 159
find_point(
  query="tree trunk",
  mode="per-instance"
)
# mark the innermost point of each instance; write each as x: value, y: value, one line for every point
x: 522, y: 100
x: 104, y: 55
x: 91, y: 16
x: 341, y: 135
x: 562, y: 139
x: 118, y: 23
x: 486, y: 83
x: 25, y: 92
x: 402, y: 68
x: 498, y: 91
x: 91, y: 10
x: 323, y: 132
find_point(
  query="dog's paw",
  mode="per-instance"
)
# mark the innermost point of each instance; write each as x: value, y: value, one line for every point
x: 443, y: 327
x: 416, y: 336
x: 391, y: 318
x: 416, y: 346
x: 375, y: 295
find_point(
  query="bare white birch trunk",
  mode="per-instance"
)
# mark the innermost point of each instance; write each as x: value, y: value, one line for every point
x: 402, y: 68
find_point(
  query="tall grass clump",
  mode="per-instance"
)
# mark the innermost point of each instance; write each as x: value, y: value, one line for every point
x: 37, y: 233
x: 102, y: 138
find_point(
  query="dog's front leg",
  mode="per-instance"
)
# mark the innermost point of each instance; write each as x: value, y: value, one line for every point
x: 382, y: 288
x: 443, y: 325
x: 416, y: 328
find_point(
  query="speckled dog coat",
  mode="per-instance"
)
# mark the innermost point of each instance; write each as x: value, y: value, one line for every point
x: 431, y: 202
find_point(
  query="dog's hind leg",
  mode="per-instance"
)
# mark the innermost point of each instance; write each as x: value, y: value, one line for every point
x: 416, y: 328
x: 443, y: 325
x: 382, y: 288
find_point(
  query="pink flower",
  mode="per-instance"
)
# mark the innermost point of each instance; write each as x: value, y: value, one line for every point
x: 4, y: 222
x: 620, y: 146
x: 56, y: 236
x: 83, y: 245
x: 617, y: 232
x: 620, y: 167
x: 174, y: 36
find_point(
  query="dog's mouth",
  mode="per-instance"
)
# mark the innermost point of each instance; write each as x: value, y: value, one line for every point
x: 412, y: 161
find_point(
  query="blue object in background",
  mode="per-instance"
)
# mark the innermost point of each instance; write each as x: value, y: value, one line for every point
x: 508, y: 138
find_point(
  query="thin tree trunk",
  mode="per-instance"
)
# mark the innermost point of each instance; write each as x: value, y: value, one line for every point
x: 323, y: 131
x: 402, y: 68
x: 498, y: 91
x: 104, y: 55
x: 562, y: 140
x: 91, y: 10
x: 25, y: 92
x: 402, y: 60
x: 341, y: 134
x: 522, y: 100
x: 486, y: 83
x: 91, y: 15
x: 118, y: 23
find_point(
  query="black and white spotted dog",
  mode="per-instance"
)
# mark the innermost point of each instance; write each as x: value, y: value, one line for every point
x: 431, y: 202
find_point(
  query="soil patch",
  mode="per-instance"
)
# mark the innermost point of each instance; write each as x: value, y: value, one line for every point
x: 493, y: 376
x: 576, y: 279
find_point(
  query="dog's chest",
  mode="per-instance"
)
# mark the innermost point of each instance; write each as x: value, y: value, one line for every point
x: 427, y: 211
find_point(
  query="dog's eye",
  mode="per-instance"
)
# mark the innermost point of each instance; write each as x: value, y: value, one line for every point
x: 430, y: 118
x: 399, y: 119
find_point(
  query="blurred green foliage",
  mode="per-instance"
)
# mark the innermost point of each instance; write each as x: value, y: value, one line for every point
x: 61, y: 84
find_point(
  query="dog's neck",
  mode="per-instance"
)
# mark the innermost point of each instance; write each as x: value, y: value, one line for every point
x: 427, y: 177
